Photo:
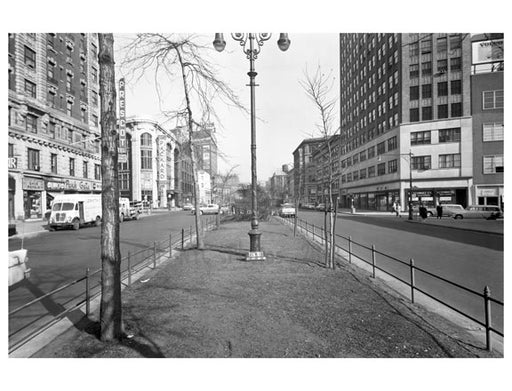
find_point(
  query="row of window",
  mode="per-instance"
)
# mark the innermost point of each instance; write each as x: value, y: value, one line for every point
x: 423, y: 44
x: 442, y: 67
x: 34, y: 164
x: 392, y: 144
x: 442, y: 89
x: 445, y: 136
x: 442, y: 112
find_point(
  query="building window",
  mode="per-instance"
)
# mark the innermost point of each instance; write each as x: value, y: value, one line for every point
x: 33, y: 159
x: 30, y: 58
x: 421, y: 163
x: 349, y: 177
x: 449, y: 135
x: 449, y: 161
x: 426, y: 113
x: 10, y: 152
x: 71, y: 166
x: 69, y: 80
x: 455, y: 64
x: 355, y: 175
x: 371, y: 152
x: 414, y: 115
x: 456, y: 109
x: 51, y: 72
x: 420, y: 138
x: 371, y: 172
x: 442, y: 66
x: 414, y: 70
x: 381, y: 169
x: 392, y: 143
x: 97, y: 172
x: 95, y: 120
x: 69, y: 108
x: 414, y: 92
x: 442, y: 111
x: 51, y: 129
x: 355, y: 159
x: 83, y: 115
x: 493, y: 99
x: 362, y: 156
x: 442, y: 44
x: 94, y: 98
x: 52, y: 101
x: 86, y: 169
x: 146, y: 153
x: 94, y: 75
x: 362, y: 173
x: 124, y: 181
x: 493, y: 132
x: 70, y: 136
x: 414, y: 49
x: 426, y: 46
x: 426, y: 68
x: 31, y: 123
x: 53, y: 163
x: 426, y: 91
x: 30, y: 89
x: 442, y: 88
x: 455, y: 42
x: 456, y: 86
x: 492, y: 164
x: 392, y: 166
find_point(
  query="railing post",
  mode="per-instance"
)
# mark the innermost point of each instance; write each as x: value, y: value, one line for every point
x: 313, y: 228
x: 87, y: 293
x: 411, y: 263
x: 190, y: 234
x: 306, y: 228
x: 488, y: 338
x: 129, y: 269
x: 170, y: 244
x: 154, y: 255
x: 182, y: 238
x: 350, y: 249
x: 373, y: 261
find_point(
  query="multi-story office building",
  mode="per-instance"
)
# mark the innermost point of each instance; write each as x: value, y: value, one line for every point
x: 278, y: 186
x: 53, y: 120
x: 305, y: 186
x: 205, y: 144
x: 327, y: 165
x: 487, y: 109
x: 405, y: 113
x: 154, y: 164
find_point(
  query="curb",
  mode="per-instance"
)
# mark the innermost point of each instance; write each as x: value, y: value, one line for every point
x: 459, y: 228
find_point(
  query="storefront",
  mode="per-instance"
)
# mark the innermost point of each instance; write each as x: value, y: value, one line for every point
x: 489, y: 195
x: 33, y: 189
x: 433, y: 197
x: 69, y: 186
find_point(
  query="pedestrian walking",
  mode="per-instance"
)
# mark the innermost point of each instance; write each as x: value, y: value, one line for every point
x: 423, y: 211
x: 439, y: 209
x: 398, y: 209
x: 394, y: 206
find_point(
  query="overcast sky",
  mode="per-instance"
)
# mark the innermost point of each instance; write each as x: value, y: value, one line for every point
x: 286, y: 115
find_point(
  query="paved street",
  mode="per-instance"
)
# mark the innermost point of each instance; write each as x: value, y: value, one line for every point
x: 56, y: 258
x: 469, y: 258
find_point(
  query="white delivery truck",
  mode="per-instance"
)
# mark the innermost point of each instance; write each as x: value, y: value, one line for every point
x: 126, y: 210
x: 75, y: 210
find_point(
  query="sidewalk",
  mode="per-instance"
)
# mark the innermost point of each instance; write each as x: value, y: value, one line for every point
x: 212, y: 303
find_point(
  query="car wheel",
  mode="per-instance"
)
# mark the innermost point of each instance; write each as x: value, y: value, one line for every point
x: 458, y: 217
x: 97, y: 223
x: 430, y: 214
x: 200, y: 212
x: 50, y: 228
x: 76, y: 224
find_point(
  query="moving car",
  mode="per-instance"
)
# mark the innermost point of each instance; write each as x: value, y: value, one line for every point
x: 210, y: 209
x: 287, y: 210
x: 75, y: 210
x: 488, y: 212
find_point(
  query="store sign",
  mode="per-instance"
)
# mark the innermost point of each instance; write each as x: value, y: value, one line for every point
x: 487, y: 51
x: 487, y: 192
x: 71, y: 184
x: 13, y: 162
x: 122, y: 158
x: 32, y: 184
x: 162, y: 159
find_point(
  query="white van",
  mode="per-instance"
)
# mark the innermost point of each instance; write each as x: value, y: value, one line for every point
x: 75, y: 210
x: 127, y: 211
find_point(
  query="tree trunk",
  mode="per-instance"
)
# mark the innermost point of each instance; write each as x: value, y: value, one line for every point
x: 334, y: 233
x: 110, y: 308
x: 326, y: 238
x: 193, y: 158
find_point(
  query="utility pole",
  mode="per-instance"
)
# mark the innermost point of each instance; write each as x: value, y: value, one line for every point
x: 110, y: 309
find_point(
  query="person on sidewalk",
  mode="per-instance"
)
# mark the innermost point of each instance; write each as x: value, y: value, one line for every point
x: 423, y: 212
x: 394, y: 207
x: 398, y: 209
x: 439, y: 209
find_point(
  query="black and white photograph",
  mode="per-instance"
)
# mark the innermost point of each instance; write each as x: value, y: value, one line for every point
x: 285, y: 203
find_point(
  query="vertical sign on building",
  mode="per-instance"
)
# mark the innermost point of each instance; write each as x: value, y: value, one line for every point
x: 122, y: 123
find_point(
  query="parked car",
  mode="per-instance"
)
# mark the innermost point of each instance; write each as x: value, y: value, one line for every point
x: 210, y: 209
x: 488, y: 212
x: 308, y: 206
x: 225, y: 209
x: 136, y: 206
x: 449, y: 210
x: 320, y: 207
x: 287, y: 210
x: 188, y: 206
x: 18, y: 266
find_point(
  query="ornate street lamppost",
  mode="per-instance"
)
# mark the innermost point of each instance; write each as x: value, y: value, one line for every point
x: 251, y: 45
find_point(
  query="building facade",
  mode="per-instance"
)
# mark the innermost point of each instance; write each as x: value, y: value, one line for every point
x: 405, y: 114
x: 53, y: 120
x: 487, y: 101
x: 305, y: 185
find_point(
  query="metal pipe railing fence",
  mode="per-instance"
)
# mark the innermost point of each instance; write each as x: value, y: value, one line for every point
x: 407, y: 273
x: 131, y: 264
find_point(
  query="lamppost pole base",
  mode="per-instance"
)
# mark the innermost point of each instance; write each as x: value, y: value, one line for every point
x: 255, y: 253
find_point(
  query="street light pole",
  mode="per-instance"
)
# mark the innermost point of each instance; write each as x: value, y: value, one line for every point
x: 410, y: 185
x: 255, y: 42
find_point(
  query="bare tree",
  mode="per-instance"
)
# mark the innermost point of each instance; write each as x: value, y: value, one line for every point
x: 318, y: 88
x: 224, y: 179
x: 184, y: 57
x: 110, y: 307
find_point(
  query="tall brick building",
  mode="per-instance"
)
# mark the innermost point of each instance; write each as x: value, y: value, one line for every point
x: 53, y: 120
x: 405, y: 105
